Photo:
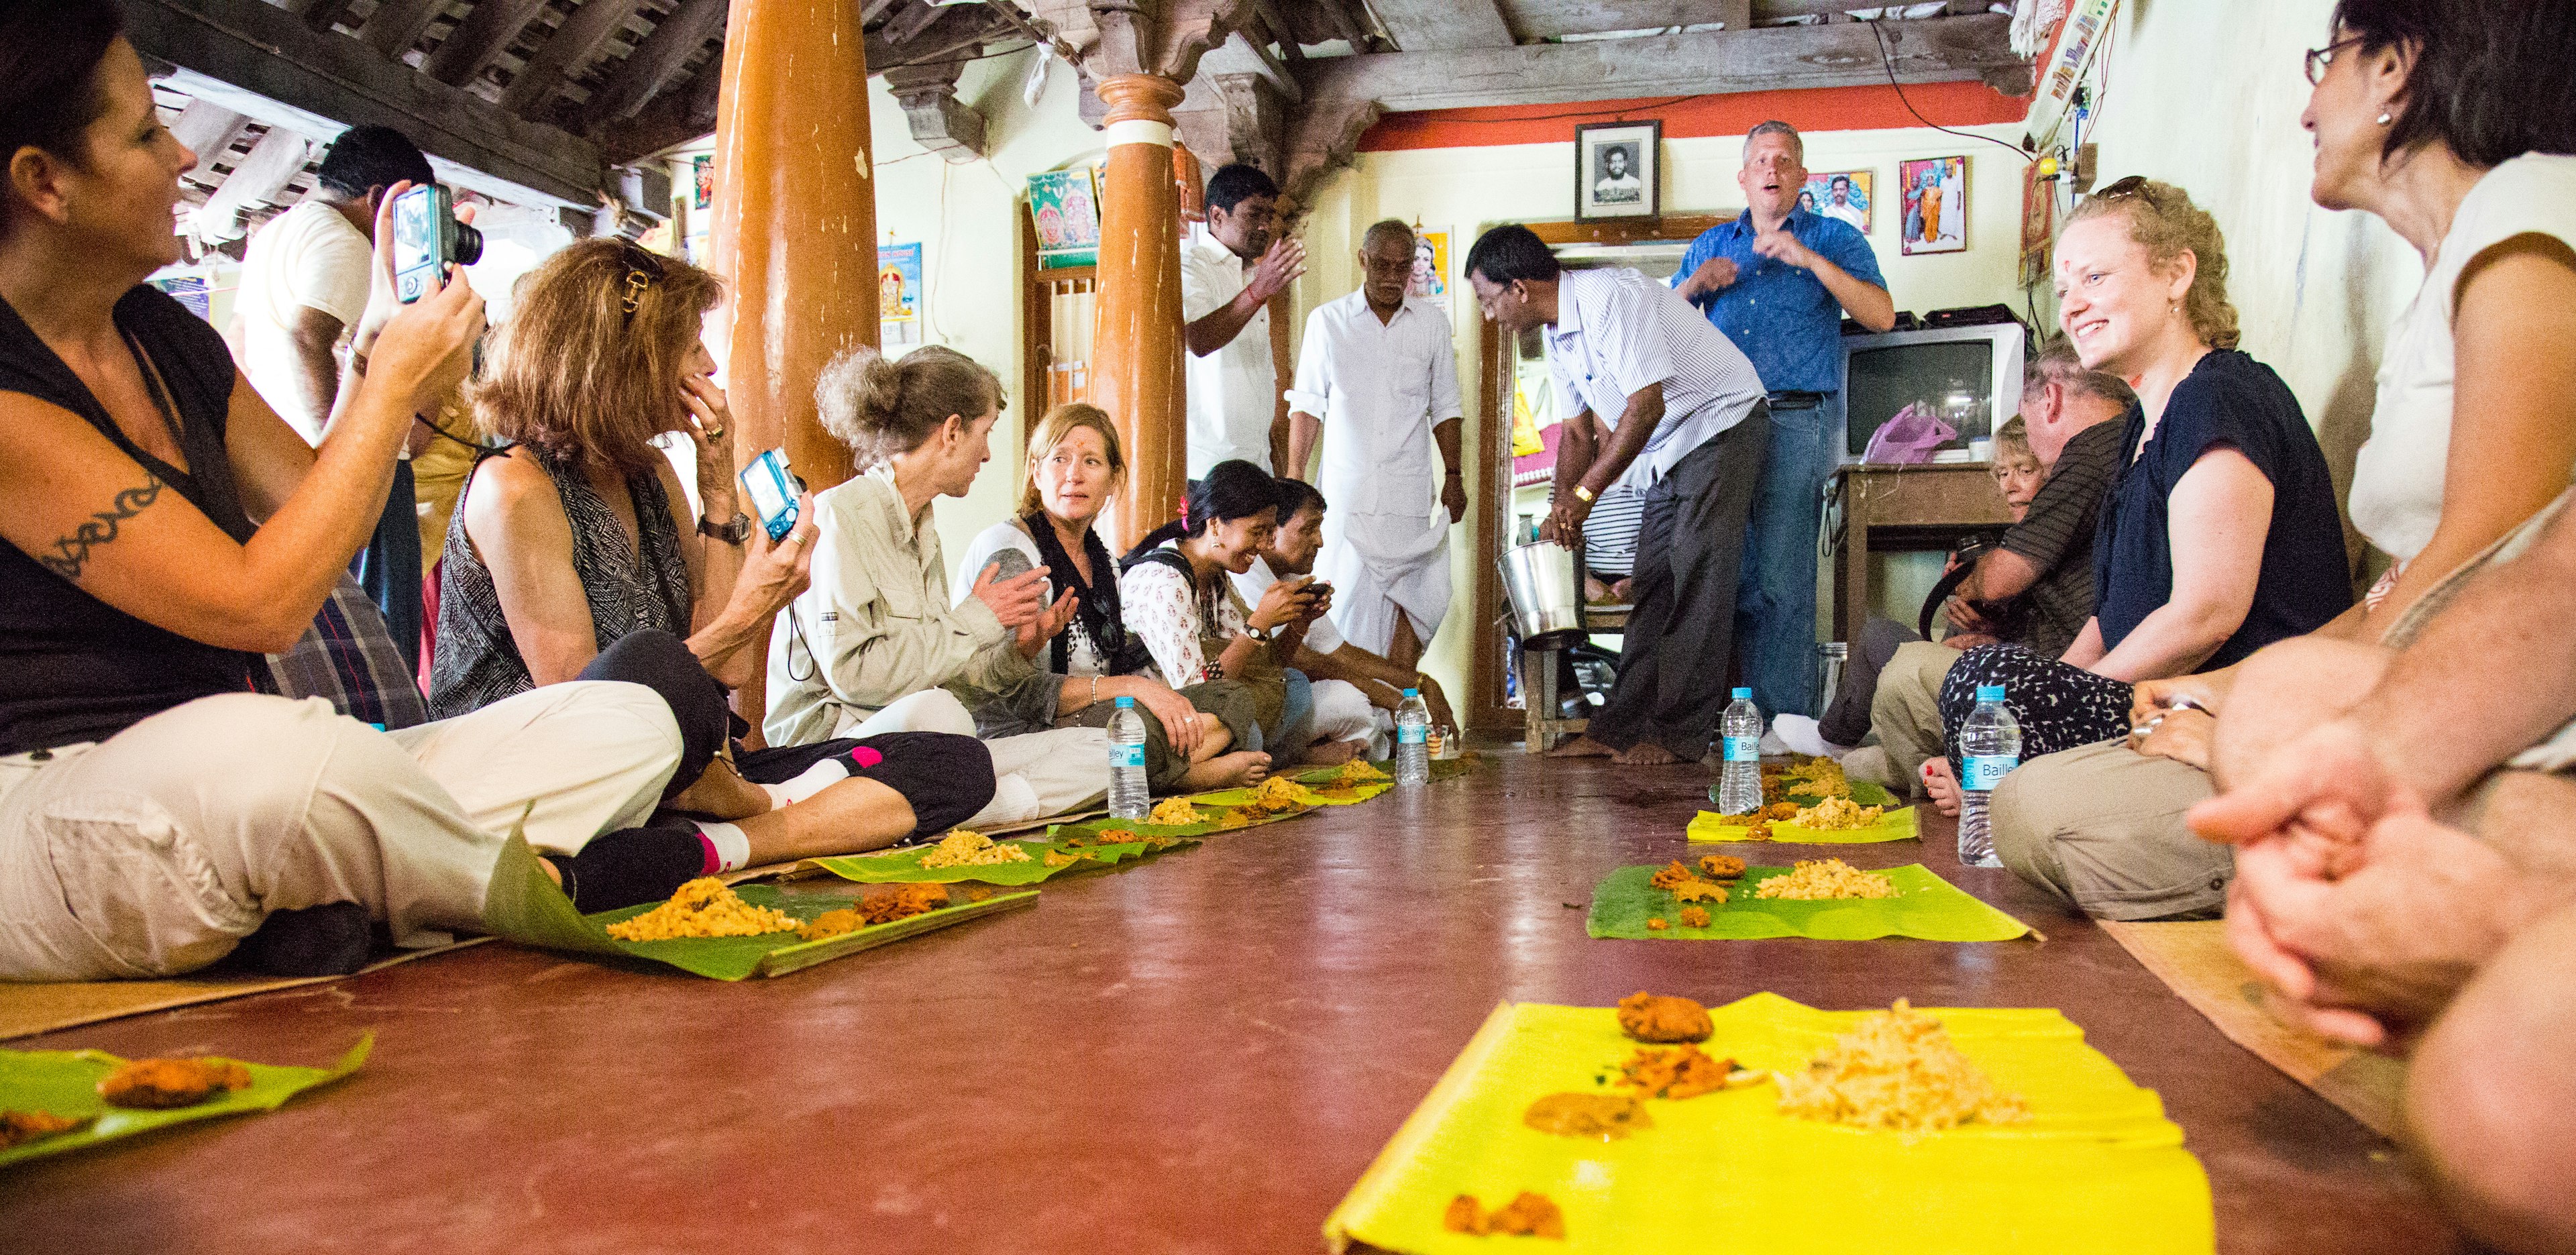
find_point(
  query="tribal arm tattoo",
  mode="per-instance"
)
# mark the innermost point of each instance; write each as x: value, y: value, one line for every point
x: 72, y: 552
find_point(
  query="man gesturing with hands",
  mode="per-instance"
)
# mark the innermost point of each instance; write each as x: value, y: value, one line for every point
x: 1227, y: 280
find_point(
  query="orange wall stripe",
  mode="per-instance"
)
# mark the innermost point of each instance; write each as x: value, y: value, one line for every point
x: 1733, y: 113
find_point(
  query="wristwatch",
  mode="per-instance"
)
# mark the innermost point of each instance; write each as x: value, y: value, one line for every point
x: 733, y: 533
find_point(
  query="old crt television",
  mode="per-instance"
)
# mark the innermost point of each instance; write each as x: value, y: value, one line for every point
x: 1971, y: 376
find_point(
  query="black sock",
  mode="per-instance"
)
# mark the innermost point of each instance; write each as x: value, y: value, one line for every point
x: 632, y: 866
x: 327, y: 940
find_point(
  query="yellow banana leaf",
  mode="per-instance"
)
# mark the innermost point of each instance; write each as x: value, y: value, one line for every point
x: 2097, y: 1169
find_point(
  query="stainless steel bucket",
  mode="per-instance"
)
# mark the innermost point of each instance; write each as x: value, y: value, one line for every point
x: 1546, y: 594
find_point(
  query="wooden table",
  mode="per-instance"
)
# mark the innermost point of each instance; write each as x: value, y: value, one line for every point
x: 1199, y: 1053
x: 1894, y: 508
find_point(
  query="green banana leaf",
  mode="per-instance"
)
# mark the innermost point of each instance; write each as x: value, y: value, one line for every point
x: 65, y: 1083
x: 1895, y: 825
x: 1926, y: 907
x: 524, y: 905
x: 904, y: 866
x: 1862, y: 792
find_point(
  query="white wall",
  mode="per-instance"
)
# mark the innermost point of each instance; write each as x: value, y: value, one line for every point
x: 2206, y: 94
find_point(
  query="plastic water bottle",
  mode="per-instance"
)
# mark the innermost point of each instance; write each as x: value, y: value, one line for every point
x: 1989, y: 748
x: 1413, y: 739
x: 1128, y: 796
x: 1739, y: 770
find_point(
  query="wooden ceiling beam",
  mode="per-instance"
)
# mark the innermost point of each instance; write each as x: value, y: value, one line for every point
x: 939, y: 121
x: 680, y: 34
x: 1241, y: 54
x: 1436, y: 25
x: 260, y: 179
x: 874, y: 9
x: 1937, y: 49
x: 486, y: 30
x: 208, y: 130
x: 266, y: 51
x: 668, y: 118
x: 397, y: 24
x: 564, y: 55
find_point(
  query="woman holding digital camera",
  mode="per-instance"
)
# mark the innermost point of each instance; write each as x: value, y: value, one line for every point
x: 573, y: 552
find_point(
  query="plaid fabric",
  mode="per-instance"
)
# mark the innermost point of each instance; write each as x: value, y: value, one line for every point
x: 348, y: 656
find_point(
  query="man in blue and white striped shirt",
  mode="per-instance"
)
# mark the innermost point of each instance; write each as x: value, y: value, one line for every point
x: 1656, y: 398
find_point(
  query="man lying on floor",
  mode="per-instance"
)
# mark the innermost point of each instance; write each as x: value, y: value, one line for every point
x: 2406, y: 866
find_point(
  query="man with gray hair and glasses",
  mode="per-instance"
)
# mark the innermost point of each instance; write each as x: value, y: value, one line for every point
x: 1778, y: 281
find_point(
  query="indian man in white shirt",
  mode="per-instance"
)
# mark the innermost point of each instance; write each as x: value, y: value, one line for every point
x: 1228, y: 274
x: 1654, y: 397
x: 304, y: 283
x: 1377, y: 371
x: 1355, y: 691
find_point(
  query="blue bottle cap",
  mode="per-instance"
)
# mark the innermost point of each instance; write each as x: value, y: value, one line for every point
x: 1743, y: 695
x: 1413, y: 692
x: 1990, y: 692
x: 1126, y: 703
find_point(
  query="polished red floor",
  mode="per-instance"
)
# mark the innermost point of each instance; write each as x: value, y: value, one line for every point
x: 1197, y: 1054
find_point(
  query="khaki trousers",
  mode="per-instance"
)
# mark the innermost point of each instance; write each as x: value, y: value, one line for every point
x: 2102, y: 827
x: 1906, y: 711
x: 156, y: 851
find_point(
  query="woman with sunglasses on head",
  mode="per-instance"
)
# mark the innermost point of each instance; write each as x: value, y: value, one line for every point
x: 1075, y: 466
x: 2454, y: 124
x: 2220, y: 535
x: 159, y: 807
x: 573, y: 553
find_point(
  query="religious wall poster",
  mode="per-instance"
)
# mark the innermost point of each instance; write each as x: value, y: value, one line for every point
x: 1934, y: 193
x: 1431, y: 266
x: 704, y: 167
x: 1065, y: 207
x: 1617, y: 169
x: 1840, y: 194
x: 899, y: 293
x: 2038, y: 223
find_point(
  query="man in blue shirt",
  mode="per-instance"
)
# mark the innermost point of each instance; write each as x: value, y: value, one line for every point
x: 1778, y: 281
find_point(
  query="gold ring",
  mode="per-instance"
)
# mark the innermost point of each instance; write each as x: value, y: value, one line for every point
x: 715, y: 433
x: 799, y: 537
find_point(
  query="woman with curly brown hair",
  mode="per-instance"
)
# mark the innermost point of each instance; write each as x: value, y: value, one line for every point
x: 572, y: 553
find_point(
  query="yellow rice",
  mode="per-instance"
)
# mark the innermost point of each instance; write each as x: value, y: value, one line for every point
x: 962, y: 848
x: 1814, y: 880
x: 1173, y: 810
x: 703, y: 908
x: 1836, y: 814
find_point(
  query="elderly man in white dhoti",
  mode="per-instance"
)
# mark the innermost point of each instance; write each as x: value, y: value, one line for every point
x: 1379, y: 369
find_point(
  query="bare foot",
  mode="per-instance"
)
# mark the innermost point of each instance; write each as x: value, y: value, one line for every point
x: 1645, y: 754
x: 720, y: 793
x: 1943, y: 786
x: 1226, y: 771
x: 1583, y: 747
x: 1331, y: 753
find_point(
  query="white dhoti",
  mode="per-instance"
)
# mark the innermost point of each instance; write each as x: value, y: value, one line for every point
x: 1382, y: 566
x: 155, y: 852
x: 1343, y: 713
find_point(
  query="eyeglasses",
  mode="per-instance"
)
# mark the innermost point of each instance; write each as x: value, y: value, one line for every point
x: 2320, y: 58
x: 2134, y: 185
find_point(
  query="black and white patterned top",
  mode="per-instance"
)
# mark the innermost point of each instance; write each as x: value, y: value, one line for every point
x: 478, y: 662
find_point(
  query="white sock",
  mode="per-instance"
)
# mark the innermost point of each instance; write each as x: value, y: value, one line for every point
x: 732, y: 845
x: 820, y: 776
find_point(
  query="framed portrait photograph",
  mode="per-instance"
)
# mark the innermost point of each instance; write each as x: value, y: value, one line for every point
x: 1934, y: 193
x: 1843, y: 194
x: 1617, y: 169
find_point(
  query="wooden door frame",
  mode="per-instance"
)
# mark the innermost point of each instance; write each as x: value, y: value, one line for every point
x: 1484, y: 710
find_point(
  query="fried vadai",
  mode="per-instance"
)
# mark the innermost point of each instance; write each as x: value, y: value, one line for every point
x: 1663, y: 1019
x: 1530, y: 1215
x: 160, y: 1084
x: 1695, y: 917
x: 1721, y: 866
x: 17, y: 1128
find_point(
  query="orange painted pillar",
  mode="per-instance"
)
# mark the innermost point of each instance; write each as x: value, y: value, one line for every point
x: 795, y: 218
x: 1136, y: 342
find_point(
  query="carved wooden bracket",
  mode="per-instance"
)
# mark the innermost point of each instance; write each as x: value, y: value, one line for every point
x: 940, y: 121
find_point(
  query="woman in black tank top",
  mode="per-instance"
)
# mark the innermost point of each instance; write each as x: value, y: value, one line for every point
x: 162, y: 528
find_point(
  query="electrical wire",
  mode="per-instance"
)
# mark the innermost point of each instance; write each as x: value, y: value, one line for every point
x: 1887, y: 62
